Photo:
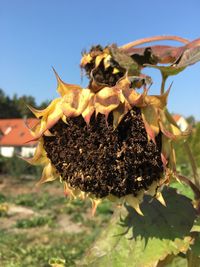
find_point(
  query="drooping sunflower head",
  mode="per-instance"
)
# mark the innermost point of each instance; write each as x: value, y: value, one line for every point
x: 107, y: 140
x: 106, y: 66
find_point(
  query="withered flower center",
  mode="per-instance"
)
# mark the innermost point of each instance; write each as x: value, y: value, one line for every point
x: 102, y: 161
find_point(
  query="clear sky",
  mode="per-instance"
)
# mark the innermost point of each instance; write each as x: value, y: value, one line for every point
x: 38, y: 34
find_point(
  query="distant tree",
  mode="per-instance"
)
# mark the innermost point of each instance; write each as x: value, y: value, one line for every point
x: 191, y: 120
x: 7, y: 108
x: 195, y: 143
x: 44, y: 104
x: 16, y: 107
x: 21, y: 104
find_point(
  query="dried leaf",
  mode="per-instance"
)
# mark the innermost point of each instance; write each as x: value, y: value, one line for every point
x: 189, y: 57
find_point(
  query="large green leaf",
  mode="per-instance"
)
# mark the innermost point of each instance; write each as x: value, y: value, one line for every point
x: 142, y: 241
x: 173, y: 261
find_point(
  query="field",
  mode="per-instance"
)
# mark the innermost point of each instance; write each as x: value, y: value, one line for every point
x: 40, y: 226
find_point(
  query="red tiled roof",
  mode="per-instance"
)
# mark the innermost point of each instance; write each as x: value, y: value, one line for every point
x: 14, y: 132
x: 176, y: 117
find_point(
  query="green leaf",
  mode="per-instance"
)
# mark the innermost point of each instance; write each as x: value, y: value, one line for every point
x: 142, y: 241
x: 196, y: 226
x: 167, y: 70
x: 173, y: 261
x: 183, y: 189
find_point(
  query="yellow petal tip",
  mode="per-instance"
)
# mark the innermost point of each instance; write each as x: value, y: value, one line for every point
x: 160, y: 198
x: 134, y: 203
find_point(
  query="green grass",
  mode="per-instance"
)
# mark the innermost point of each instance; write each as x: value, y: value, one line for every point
x: 35, y: 240
x: 35, y: 222
x: 19, y: 250
x: 2, y: 198
x: 39, y: 202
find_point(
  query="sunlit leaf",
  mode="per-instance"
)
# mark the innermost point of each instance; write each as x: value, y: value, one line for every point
x: 144, y: 241
x: 167, y: 70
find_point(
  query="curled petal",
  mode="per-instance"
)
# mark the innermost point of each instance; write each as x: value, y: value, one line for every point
x: 106, y: 61
x: 46, y: 123
x: 54, y: 117
x: 170, y: 118
x: 87, y: 58
x: 166, y: 150
x: 87, y: 113
x: 99, y: 58
x: 134, y: 98
x: 75, y: 102
x: 39, y: 156
x: 152, y: 189
x: 134, y: 203
x: 159, y: 101
x: 150, y: 119
x: 115, y: 71
x: 75, y: 193
x: 160, y: 198
x: 48, y: 174
x: 48, y: 133
x: 40, y: 129
x: 172, y: 159
x: 169, y: 129
x: 64, y: 119
x: 119, y: 113
x: 40, y: 113
x: 168, y: 154
x: 124, y: 82
x: 95, y: 203
x: 173, y: 132
x: 64, y: 88
x: 67, y: 190
x: 96, y: 86
x: 72, y: 192
x: 49, y: 117
x: 107, y: 100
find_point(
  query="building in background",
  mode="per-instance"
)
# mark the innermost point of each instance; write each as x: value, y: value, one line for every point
x: 14, y: 135
x: 181, y: 122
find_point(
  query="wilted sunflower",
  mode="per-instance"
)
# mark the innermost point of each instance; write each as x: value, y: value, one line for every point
x: 108, y: 140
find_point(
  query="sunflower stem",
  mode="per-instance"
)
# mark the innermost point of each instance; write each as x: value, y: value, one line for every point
x: 154, y: 39
x: 192, y: 163
x: 164, y: 78
x: 192, y: 259
x: 188, y: 182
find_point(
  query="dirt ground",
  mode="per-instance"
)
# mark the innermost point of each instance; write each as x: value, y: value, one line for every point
x: 40, y: 223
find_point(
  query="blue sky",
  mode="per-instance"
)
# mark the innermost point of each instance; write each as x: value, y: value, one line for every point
x: 39, y: 34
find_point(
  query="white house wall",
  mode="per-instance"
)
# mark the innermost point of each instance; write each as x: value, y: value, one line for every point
x: 182, y: 123
x: 10, y: 151
x: 7, y: 151
x: 27, y: 151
